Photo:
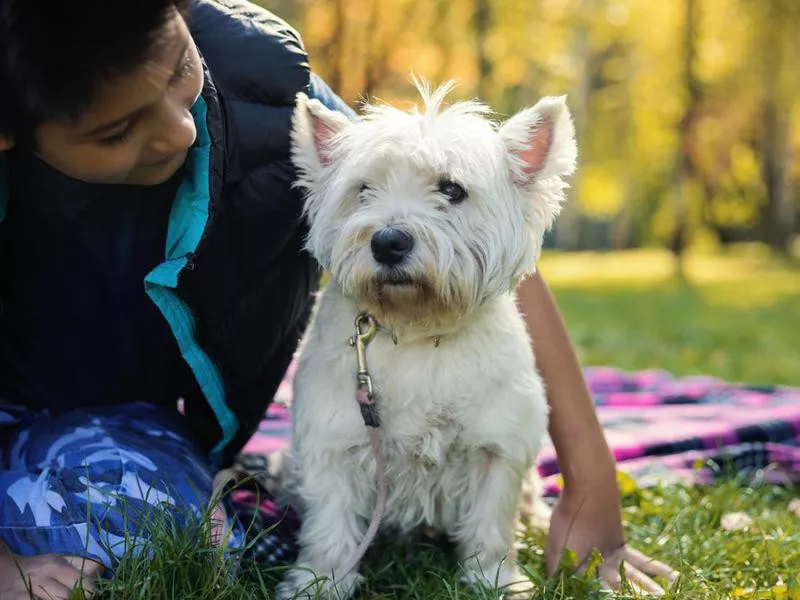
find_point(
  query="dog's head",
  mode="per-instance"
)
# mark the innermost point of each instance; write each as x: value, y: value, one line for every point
x: 428, y: 213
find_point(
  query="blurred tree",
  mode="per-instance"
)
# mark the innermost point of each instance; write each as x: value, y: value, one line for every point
x: 482, y: 18
x: 568, y: 226
x: 684, y: 163
x: 778, y: 40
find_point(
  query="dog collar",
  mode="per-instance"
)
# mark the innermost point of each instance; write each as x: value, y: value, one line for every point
x: 437, y: 339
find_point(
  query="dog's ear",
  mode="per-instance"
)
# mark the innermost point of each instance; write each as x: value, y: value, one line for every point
x: 314, y: 132
x: 541, y: 141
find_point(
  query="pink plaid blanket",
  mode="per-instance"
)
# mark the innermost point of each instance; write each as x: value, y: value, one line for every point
x: 661, y: 429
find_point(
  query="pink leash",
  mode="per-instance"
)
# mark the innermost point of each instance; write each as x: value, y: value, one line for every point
x: 369, y: 412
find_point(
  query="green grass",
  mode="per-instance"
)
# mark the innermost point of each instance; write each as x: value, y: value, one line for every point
x: 736, y: 316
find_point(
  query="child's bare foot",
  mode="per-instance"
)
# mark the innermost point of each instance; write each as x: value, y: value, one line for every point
x: 45, y: 577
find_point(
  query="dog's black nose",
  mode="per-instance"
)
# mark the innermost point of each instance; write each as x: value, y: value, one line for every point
x: 390, y: 246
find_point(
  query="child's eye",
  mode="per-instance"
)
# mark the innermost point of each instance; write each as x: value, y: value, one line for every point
x: 185, y: 69
x: 118, y: 138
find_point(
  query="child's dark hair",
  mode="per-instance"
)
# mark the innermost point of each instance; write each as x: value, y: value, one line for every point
x: 53, y: 54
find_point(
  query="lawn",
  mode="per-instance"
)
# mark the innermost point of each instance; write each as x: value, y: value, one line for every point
x: 735, y: 315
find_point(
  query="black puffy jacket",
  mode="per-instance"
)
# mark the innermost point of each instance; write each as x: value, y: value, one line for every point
x: 236, y: 287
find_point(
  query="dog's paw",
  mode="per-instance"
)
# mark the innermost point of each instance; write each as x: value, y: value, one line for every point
x: 504, y: 578
x: 303, y: 584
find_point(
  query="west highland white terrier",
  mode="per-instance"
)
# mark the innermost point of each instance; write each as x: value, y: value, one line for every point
x: 416, y: 377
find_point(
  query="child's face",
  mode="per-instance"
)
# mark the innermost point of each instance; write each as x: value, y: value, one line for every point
x: 139, y: 128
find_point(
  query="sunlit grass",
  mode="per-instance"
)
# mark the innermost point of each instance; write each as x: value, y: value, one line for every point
x: 677, y: 524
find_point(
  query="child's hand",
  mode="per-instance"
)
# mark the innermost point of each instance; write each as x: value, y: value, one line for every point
x: 46, y: 577
x: 590, y: 519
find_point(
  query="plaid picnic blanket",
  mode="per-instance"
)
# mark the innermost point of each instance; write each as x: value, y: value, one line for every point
x: 661, y: 429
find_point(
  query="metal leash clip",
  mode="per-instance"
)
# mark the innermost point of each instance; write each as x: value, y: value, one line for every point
x: 366, y: 329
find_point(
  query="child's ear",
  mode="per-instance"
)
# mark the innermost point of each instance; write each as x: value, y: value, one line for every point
x: 541, y: 141
x: 314, y: 131
x: 6, y: 143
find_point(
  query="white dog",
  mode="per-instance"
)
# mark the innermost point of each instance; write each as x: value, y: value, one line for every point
x: 426, y: 221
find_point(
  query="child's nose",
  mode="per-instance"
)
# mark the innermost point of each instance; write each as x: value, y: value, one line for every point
x: 174, y: 130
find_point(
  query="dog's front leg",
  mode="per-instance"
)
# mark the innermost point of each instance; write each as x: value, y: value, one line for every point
x: 485, y: 529
x: 329, y: 535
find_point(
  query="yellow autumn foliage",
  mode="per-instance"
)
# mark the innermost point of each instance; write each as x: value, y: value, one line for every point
x: 622, y: 64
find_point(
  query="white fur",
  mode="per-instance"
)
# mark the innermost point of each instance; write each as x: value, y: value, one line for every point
x: 462, y: 423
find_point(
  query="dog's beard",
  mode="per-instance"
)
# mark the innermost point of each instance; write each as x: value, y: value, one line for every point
x: 400, y: 299
x: 400, y: 292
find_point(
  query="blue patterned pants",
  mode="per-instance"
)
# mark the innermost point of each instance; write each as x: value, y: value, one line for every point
x: 89, y: 482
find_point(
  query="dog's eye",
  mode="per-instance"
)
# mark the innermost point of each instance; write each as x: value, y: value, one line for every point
x: 364, y: 188
x: 454, y: 192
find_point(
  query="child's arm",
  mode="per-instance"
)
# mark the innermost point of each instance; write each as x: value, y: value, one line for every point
x: 588, y: 514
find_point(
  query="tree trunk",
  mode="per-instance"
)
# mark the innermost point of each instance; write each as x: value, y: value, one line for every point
x: 779, y: 213
x: 684, y: 165
x: 482, y: 22
x: 336, y: 48
x: 567, y: 228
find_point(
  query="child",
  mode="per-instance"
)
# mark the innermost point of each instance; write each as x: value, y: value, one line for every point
x: 150, y: 250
